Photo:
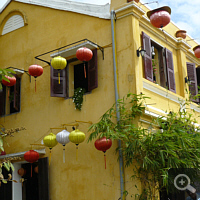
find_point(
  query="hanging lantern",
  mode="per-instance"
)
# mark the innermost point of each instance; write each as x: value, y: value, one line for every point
x: 159, y: 17
x: 35, y: 70
x: 36, y: 169
x: 84, y: 54
x: 58, y: 63
x: 103, y: 144
x: 50, y: 141
x: 197, y: 51
x: 31, y: 156
x: 63, y: 138
x: 21, y: 172
x: 77, y: 137
x: 9, y: 84
x: 3, y: 153
x: 11, y: 79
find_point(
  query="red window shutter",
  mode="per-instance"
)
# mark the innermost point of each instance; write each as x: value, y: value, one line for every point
x: 191, y: 72
x: 93, y: 72
x: 58, y: 90
x: 17, y: 94
x: 170, y: 70
x: 147, y: 57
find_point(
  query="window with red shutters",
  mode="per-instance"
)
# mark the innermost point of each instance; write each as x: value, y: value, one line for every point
x: 12, y: 97
x: 158, y: 64
x: 85, y: 75
x: 192, y: 75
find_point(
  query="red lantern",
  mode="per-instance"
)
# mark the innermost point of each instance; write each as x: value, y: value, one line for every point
x: 31, y: 157
x: 3, y: 153
x: 35, y: 70
x: 159, y: 17
x: 103, y: 144
x: 84, y: 54
x: 11, y: 79
x: 21, y: 172
x: 197, y: 51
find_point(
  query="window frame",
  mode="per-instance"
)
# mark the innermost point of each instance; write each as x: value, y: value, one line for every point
x: 167, y: 73
x: 4, y: 101
x: 64, y: 89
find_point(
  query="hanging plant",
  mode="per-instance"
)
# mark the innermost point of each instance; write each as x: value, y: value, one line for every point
x: 78, y: 97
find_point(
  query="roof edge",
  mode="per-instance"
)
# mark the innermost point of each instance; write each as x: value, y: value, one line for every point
x: 100, y: 11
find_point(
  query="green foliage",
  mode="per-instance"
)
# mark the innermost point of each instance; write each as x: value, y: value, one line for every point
x: 78, y: 97
x: 170, y: 142
x: 3, y: 73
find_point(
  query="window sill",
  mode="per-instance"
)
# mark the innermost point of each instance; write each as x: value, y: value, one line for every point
x: 157, y: 89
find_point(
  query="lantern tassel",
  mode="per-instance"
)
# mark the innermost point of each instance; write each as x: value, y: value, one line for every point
x: 59, y: 77
x: 50, y: 158
x: 105, y: 159
x: 64, y: 155
x: 76, y: 151
x: 84, y: 70
x: 35, y: 84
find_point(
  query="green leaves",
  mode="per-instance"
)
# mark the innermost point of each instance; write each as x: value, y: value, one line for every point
x: 78, y: 97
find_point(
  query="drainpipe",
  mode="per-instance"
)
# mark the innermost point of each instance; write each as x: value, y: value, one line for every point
x: 121, y: 165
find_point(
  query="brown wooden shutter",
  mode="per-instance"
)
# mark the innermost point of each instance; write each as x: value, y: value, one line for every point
x: 17, y: 94
x: 191, y: 72
x: 170, y: 70
x: 2, y: 101
x: 43, y: 178
x: 58, y: 90
x: 148, y: 69
x: 6, y: 189
x: 93, y: 72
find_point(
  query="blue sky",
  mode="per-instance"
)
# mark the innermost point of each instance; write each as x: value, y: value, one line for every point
x: 185, y: 13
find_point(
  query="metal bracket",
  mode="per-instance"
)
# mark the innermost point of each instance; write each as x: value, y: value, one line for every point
x: 59, y: 50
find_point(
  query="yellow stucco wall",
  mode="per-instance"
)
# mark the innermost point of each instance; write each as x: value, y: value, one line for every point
x: 48, y: 29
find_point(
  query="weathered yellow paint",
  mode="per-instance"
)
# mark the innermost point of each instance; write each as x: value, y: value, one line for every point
x: 48, y: 29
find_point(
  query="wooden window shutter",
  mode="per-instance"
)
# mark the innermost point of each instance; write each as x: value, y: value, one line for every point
x: 191, y: 72
x: 58, y: 90
x: 43, y: 178
x: 6, y: 189
x: 17, y: 94
x: 170, y: 70
x: 2, y: 101
x: 147, y: 57
x: 93, y: 72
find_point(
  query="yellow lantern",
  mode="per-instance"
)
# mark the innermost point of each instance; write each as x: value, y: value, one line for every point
x: 50, y: 141
x: 77, y: 136
x: 58, y: 63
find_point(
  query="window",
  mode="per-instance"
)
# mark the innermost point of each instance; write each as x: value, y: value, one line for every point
x: 76, y: 74
x: 10, y: 98
x: 35, y: 187
x: 158, y: 64
x: 194, y: 77
x: 13, y: 23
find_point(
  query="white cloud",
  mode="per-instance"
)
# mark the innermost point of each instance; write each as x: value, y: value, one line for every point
x: 185, y: 14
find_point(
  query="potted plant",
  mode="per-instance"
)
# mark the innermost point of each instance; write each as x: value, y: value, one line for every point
x: 78, y: 97
x: 181, y: 34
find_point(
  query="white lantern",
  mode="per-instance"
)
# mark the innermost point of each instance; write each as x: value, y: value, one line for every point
x: 63, y: 138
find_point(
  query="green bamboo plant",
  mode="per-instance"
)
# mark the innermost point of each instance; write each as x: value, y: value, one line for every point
x: 170, y: 142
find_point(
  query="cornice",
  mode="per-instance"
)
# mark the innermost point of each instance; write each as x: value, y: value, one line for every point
x: 129, y: 9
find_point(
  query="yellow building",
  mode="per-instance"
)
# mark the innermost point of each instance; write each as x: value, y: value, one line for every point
x: 34, y: 32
